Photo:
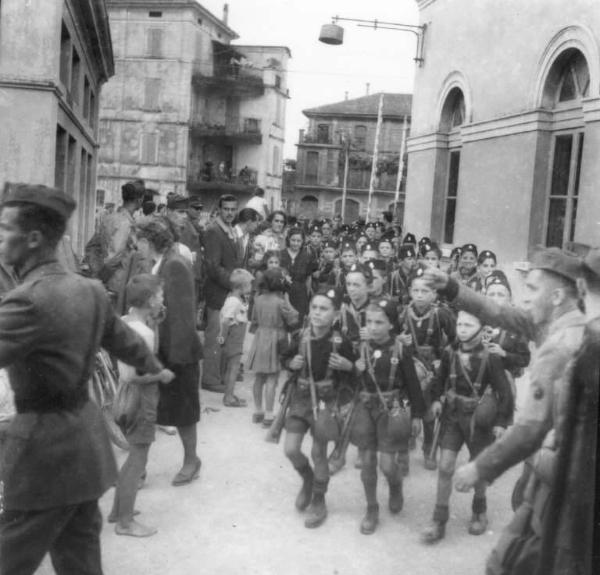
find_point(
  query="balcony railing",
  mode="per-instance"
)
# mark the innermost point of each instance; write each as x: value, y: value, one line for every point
x: 220, y: 177
x: 316, y: 138
x: 357, y: 180
x: 234, y: 129
x: 231, y: 77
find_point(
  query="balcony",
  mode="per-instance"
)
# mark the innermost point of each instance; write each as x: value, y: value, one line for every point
x: 222, y: 180
x: 231, y: 78
x: 235, y: 130
x: 319, y: 138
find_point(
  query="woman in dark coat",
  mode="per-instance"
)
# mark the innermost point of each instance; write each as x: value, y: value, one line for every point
x: 179, y: 347
x: 300, y: 265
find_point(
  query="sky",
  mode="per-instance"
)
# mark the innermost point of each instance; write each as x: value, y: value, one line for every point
x: 319, y: 73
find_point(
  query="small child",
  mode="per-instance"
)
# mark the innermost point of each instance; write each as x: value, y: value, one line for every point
x: 390, y: 408
x: 271, y: 315
x: 145, y: 294
x: 471, y: 395
x: 234, y: 320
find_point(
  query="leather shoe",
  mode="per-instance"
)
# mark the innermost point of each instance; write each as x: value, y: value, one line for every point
x: 316, y: 514
x: 370, y: 520
x: 478, y: 524
x: 183, y: 477
x: 433, y: 532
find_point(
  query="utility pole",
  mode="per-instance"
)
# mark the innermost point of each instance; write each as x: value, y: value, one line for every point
x: 375, y: 156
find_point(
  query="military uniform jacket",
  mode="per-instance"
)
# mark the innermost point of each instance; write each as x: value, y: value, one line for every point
x: 493, y: 376
x: 516, y: 347
x: 549, y: 374
x: 380, y: 357
x: 57, y: 450
x: 351, y: 320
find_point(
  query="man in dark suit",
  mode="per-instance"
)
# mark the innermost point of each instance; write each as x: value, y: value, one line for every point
x: 222, y: 257
x: 57, y: 459
x: 247, y: 222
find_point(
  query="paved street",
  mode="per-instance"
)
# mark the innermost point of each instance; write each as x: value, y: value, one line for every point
x: 239, y: 516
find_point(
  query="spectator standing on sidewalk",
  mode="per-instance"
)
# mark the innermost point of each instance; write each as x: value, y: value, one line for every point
x: 221, y: 258
x: 57, y: 459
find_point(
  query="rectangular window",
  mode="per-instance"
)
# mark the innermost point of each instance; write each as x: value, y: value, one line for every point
x: 71, y: 166
x: 360, y: 137
x: 154, y: 14
x: 331, y: 166
x: 86, y: 98
x: 65, y: 56
x: 75, y: 76
x: 152, y: 94
x: 154, y: 42
x: 450, y: 217
x: 323, y: 133
x: 564, y: 189
x: 311, y: 172
x: 150, y: 148
x: 60, y: 157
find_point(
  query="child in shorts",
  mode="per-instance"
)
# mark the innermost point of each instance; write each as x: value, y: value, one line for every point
x: 145, y: 295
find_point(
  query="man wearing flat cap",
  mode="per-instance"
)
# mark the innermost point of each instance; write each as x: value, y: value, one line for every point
x: 57, y: 459
x: 552, y: 319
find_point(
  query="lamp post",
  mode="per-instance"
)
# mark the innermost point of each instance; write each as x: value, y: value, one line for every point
x: 334, y: 34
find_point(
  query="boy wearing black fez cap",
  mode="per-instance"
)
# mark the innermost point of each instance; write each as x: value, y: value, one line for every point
x: 390, y: 407
x: 369, y: 252
x: 315, y: 239
x: 471, y: 415
x: 321, y: 359
x: 359, y: 279
x: 426, y: 328
x: 399, y: 279
x: 466, y: 272
x: 410, y: 239
x: 348, y: 258
x: 431, y: 254
x: 326, y: 274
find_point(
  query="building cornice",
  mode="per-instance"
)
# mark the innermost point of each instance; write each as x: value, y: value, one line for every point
x: 170, y: 5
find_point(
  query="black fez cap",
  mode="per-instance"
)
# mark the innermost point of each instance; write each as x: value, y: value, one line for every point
x: 385, y: 238
x: 371, y: 246
x: 497, y: 279
x: 424, y: 240
x: 469, y: 248
x: 332, y: 294
x: 407, y: 251
x: 345, y: 228
x: 592, y: 261
x: 315, y: 228
x: 371, y: 225
x: 388, y: 235
x: 329, y: 244
x: 559, y: 262
x: 457, y: 251
x: 388, y: 307
x: 178, y: 202
x: 376, y: 265
x: 348, y: 246
x: 487, y: 254
x: 42, y: 196
x: 429, y: 247
x: 364, y: 270
x: 410, y: 239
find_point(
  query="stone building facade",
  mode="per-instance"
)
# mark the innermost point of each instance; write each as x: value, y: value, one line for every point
x: 506, y: 125
x: 349, y: 127
x: 187, y: 111
x: 55, y: 56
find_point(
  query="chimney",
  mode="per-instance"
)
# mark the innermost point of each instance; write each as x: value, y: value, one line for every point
x: 346, y: 95
x: 368, y: 88
x: 225, y: 14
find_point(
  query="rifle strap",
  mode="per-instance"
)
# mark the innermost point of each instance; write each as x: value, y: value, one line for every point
x: 476, y: 385
x: 394, y: 360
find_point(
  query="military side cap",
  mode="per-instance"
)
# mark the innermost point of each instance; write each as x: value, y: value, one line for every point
x: 557, y: 261
x: 42, y: 196
x: 407, y: 251
x: 592, y: 261
x: 178, y: 202
x: 410, y: 239
x: 469, y: 248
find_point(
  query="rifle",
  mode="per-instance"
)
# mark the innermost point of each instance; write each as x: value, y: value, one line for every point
x: 437, y: 428
x: 285, y: 398
x: 337, y: 459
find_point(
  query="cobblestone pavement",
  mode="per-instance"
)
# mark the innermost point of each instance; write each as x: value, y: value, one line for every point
x: 239, y: 516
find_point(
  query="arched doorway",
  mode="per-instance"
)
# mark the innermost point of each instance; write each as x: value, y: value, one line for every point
x: 352, y: 210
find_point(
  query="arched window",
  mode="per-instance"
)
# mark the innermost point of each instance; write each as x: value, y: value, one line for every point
x: 453, y: 116
x: 567, y: 83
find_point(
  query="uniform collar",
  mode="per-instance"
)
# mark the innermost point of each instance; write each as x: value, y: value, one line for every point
x: 38, y: 269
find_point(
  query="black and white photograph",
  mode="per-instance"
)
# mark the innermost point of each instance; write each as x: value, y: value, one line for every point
x: 294, y: 287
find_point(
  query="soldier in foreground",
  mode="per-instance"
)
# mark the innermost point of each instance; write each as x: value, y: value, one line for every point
x: 57, y: 459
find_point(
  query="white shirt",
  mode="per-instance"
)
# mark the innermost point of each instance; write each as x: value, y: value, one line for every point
x: 259, y: 204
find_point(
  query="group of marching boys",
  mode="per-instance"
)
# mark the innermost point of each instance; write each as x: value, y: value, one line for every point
x: 378, y: 359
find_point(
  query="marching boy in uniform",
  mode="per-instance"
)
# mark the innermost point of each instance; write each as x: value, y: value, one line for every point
x: 390, y: 408
x: 323, y: 360
x: 478, y: 404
